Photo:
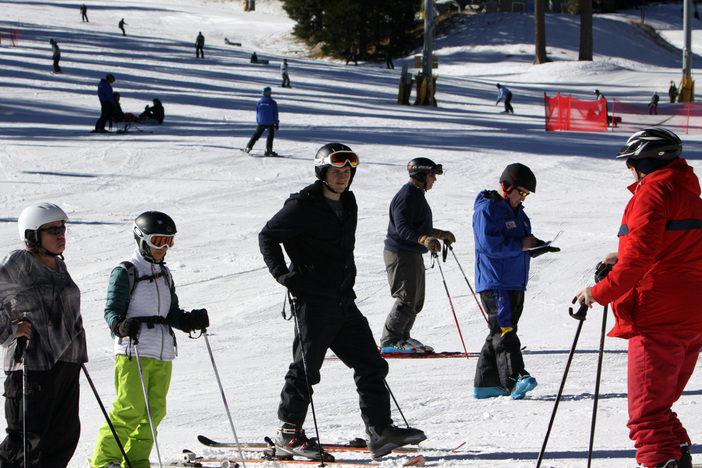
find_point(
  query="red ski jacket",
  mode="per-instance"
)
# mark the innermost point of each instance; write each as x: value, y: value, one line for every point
x: 656, y: 286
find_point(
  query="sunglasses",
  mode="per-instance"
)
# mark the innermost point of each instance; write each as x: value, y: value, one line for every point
x: 522, y: 194
x: 54, y: 230
x: 159, y: 241
x: 339, y: 159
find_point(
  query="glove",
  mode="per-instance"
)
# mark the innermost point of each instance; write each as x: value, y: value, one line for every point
x: 540, y: 251
x: 446, y: 236
x: 276, y: 127
x: 431, y: 243
x: 199, y: 320
x: 602, y: 270
x: 128, y: 327
x: 294, y: 282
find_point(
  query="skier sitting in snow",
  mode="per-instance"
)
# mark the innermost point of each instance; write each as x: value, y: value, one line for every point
x: 654, y: 286
x: 153, y: 115
x: 317, y: 227
x: 410, y: 235
x: 141, y: 307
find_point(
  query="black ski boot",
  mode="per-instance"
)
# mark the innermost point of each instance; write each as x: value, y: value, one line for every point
x: 390, y: 438
x: 291, y: 440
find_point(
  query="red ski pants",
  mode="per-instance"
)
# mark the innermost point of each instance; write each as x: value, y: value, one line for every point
x: 660, y: 364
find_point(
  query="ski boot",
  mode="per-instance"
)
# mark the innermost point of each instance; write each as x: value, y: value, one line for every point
x: 390, y: 438
x: 291, y: 441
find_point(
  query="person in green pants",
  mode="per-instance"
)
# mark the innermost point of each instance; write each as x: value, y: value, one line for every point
x: 141, y: 308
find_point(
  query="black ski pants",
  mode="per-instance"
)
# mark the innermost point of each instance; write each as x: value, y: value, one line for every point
x: 199, y: 52
x: 508, y: 104
x: 53, y: 425
x: 106, y: 113
x: 348, y: 335
x: 257, y: 134
x: 501, y: 362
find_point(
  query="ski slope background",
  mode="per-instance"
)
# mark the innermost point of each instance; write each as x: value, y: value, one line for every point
x: 191, y: 168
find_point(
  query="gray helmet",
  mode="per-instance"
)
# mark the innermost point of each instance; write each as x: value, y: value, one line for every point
x: 334, y: 154
x: 517, y: 174
x: 418, y: 169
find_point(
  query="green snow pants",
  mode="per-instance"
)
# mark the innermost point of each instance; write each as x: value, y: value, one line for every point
x: 129, y: 416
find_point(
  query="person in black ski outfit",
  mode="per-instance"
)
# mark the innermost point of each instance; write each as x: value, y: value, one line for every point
x: 55, y: 55
x: 317, y: 227
x: 84, y: 13
x: 199, y: 45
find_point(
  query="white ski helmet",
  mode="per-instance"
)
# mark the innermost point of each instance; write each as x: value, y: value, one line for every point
x: 35, y: 216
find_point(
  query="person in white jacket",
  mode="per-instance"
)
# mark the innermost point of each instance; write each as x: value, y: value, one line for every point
x: 141, y: 308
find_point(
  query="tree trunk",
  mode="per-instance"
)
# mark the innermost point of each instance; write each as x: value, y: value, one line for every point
x: 585, y: 31
x: 540, y: 32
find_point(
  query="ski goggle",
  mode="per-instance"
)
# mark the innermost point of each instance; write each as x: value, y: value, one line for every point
x: 54, y: 230
x: 522, y: 193
x: 159, y: 241
x: 339, y: 159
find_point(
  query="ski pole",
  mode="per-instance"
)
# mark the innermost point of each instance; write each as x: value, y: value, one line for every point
x: 224, y: 398
x: 443, y: 278
x: 580, y: 316
x: 396, y: 404
x: 20, y: 349
x: 468, y: 283
x: 107, y: 417
x: 293, y: 309
x: 148, y: 405
x: 597, y: 386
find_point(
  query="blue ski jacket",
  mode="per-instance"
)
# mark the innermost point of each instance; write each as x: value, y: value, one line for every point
x: 105, y: 91
x: 500, y: 262
x: 267, y: 111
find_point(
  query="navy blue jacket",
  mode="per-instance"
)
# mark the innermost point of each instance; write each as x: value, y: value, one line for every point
x: 267, y: 111
x: 319, y: 244
x: 410, y: 217
x: 500, y: 262
x: 105, y: 91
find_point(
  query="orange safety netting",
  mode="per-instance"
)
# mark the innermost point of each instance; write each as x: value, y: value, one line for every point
x: 567, y: 113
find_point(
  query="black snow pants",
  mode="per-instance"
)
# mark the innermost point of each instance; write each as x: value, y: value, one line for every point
x: 501, y: 362
x: 53, y: 426
x: 348, y: 335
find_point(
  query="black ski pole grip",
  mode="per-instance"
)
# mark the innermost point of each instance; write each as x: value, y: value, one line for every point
x: 581, y: 314
x: 20, y: 348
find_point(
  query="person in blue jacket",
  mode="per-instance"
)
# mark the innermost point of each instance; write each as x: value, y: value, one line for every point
x: 410, y: 235
x: 504, y: 246
x: 107, y: 102
x: 267, y: 119
x: 506, y: 94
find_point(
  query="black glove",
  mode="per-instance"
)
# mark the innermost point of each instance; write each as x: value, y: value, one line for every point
x: 199, y: 320
x: 602, y: 270
x: 294, y: 282
x: 129, y: 327
x: 540, y: 251
x: 275, y: 127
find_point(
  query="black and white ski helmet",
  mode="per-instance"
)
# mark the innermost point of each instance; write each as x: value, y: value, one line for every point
x: 418, y: 169
x: 334, y: 154
x: 517, y: 175
x: 651, y: 149
x: 148, y: 223
x: 35, y: 216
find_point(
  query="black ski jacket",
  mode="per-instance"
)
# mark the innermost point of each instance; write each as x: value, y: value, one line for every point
x: 319, y: 245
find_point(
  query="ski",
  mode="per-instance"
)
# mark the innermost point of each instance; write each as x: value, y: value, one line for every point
x: 189, y: 458
x: 355, y: 445
x: 429, y: 355
x: 259, y: 155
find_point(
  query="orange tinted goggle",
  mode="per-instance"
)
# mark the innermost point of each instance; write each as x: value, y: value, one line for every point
x: 159, y: 241
x: 340, y: 159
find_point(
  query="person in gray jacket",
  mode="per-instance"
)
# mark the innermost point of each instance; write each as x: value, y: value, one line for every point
x: 141, y: 308
x: 41, y: 329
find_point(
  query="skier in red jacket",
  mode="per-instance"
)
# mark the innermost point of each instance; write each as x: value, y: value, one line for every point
x: 654, y: 286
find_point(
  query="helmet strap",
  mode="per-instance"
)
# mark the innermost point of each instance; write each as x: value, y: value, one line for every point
x: 506, y: 190
x: 331, y: 189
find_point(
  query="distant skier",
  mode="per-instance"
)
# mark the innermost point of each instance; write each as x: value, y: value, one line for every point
x: 506, y: 94
x: 673, y: 92
x: 267, y: 120
x: 106, y: 97
x: 410, y: 235
x: 56, y: 55
x: 317, y: 228
x: 653, y: 105
x: 284, y: 73
x: 121, y: 26
x: 199, y: 45
x: 84, y: 13
x: 353, y: 54
x: 653, y: 286
x: 601, y: 97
